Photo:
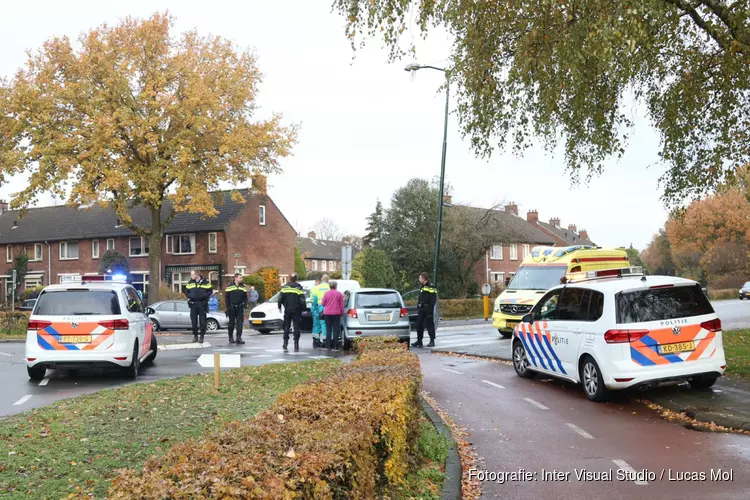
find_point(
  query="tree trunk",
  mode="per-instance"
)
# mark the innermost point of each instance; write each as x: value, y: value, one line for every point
x: 154, y: 256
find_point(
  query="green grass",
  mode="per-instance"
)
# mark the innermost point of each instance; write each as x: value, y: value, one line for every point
x: 425, y: 482
x: 77, y: 445
x: 737, y: 352
x: 16, y: 334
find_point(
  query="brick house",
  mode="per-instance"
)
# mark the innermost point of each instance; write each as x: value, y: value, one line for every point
x: 320, y: 255
x: 66, y: 241
x: 561, y: 236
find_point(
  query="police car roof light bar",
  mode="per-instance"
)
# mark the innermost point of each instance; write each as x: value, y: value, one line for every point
x: 606, y: 273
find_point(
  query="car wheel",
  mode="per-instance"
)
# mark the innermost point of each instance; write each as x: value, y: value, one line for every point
x: 154, y: 349
x: 505, y: 335
x: 264, y: 331
x: 703, y: 382
x: 592, y: 381
x: 156, y: 324
x: 131, y: 371
x: 520, y: 361
x: 212, y: 325
x: 36, y: 372
x: 347, y: 344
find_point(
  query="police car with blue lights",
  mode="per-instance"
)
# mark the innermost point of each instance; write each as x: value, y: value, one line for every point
x: 89, y: 321
x: 617, y: 329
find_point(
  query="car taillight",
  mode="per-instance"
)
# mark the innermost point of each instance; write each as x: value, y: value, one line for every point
x: 36, y: 324
x: 352, y: 313
x: 115, y: 324
x: 404, y: 313
x: 712, y: 326
x: 623, y: 336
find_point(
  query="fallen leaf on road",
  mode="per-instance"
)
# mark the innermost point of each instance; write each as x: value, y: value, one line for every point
x: 291, y: 454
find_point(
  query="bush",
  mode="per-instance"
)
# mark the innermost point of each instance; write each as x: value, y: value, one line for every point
x: 14, y: 321
x: 350, y: 435
x: 166, y: 293
x: 376, y: 343
x: 26, y: 294
x: 727, y: 282
x: 256, y: 280
x: 335, y: 275
x: 271, y: 280
x: 723, y: 294
x: 461, y: 308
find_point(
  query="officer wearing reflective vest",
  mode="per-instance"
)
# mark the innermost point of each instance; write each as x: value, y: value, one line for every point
x: 293, y: 301
x: 426, y: 311
x: 235, y: 301
x: 316, y: 300
x: 198, y: 291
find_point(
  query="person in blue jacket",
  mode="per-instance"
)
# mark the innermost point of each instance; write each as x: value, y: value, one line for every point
x: 213, y: 303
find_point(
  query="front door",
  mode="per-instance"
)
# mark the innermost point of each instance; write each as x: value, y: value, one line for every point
x: 536, y: 336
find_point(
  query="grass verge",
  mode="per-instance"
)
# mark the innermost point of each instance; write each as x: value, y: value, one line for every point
x: 737, y: 352
x: 12, y: 334
x: 76, y: 446
x: 726, y: 294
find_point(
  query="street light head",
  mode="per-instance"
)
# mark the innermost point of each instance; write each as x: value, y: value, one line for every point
x: 411, y: 67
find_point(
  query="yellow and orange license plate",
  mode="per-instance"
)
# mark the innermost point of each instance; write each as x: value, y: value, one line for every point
x: 257, y: 322
x: 75, y: 339
x: 511, y: 324
x: 677, y: 348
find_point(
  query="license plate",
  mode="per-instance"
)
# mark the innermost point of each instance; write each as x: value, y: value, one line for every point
x: 75, y: 339
x: 378, y: 317
x: 675, y: 348
x: 511, y: 324
x: 257, y: 322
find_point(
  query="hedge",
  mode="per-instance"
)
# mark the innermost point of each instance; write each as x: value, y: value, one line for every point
x: 350, y: 435
x: 732, y: 293
x: 14, y: 321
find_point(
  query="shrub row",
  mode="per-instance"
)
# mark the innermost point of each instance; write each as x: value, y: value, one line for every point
x: 459, y: 308
x: 14, y: 321
x: 348, y: 436
x: 723, y: 294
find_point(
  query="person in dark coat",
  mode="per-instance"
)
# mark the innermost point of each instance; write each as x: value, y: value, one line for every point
x: 198, y: 291
x: 293, y: 301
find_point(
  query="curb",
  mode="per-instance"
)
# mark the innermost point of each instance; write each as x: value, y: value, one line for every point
x: 452, y: 482
x: 704, y: 416
x: 10, y: 341
x: 464, y: 353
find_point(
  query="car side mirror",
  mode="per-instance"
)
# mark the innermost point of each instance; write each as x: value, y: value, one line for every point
x: 149, y: 311
x: 529, y: 318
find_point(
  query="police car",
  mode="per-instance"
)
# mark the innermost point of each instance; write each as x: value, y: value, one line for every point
x: 93, y: 321
x: 618, y: 329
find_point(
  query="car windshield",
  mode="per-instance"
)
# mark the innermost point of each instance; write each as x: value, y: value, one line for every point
x: 537, y: 277
x: 78, y: 302
x: 746, y: 285
x: 380, y: 300
x: 661, y: 304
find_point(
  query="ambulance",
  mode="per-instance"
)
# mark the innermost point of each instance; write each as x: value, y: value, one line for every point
x: 543, y: 269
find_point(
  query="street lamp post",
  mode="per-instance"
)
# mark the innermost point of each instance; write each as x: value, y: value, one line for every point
x: 416, y: 67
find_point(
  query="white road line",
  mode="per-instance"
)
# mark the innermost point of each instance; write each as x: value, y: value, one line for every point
x: 623, y: 465
x: 262, y: 356
x: 453, y: 371
x: 536, y: 403
x: 44, y: 381
x: 580, y: 431
x: 493, y: 384
x: 22, y: 400
x: 6, y: 354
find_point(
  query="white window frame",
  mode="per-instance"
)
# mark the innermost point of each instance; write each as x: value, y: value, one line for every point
x: 315, y: 265
x: 331, y: 265
x: 262, y: 215
x: 324, y: 265
x: 239, y: 269
x: 498, y: 278
x: 66, y: 243
x: 514, y: 252
x: 171, y: 243
x: 113, y: 244
x: 94, y: 246
x: 33, y: 257
x: 33, y: 281
x: 177, y: 284
x: 215, y: 236
x: 496, y: 256
x: 284, y: 279
x: 143, y: 247
x: 9, y: 253
x: 526, y: 251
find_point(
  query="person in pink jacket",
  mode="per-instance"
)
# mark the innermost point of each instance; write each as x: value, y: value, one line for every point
x: 333, y: 311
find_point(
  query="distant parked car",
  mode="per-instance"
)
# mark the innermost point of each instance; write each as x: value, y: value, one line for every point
x: 175, y: 314
x: 745, y: 291
x: 28, y: 305
x: 374, y: 311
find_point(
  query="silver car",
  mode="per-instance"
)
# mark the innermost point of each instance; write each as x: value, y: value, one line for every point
x: 374, y: 311
x: 175, y: 314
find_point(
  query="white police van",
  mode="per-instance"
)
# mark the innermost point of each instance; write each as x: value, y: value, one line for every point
x: 618, y: 329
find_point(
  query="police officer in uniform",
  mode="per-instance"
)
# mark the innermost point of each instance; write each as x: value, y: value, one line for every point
x: 235, y: 300
x: 198, y: 291
x: 316, y: 301
x: 293, y: 301
x: 426, y: 311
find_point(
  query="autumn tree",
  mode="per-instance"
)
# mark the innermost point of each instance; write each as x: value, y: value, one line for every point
x: 353, y: 241
x: 326, y: 229
x: 137, y: 115
x: 634, y: 256
x: 657, y: 257
x: 570, y: 70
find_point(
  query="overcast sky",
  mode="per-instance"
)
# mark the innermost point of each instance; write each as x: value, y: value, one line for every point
x: 366, y: 127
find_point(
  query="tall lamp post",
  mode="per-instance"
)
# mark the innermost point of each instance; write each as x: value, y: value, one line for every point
x: 416, y: 67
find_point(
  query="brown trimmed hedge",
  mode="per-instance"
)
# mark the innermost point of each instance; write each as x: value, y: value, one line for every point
x: 14, y: 321
x: 347, y: 436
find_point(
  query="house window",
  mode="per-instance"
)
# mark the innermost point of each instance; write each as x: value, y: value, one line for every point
x: 324, y: 265
x: 514, y: 252
x: 239, y: 269
x: 262, y: 215
x: 9, y: 253
x: 498, y: 278
x: 32, y: 281
x: 140, y: 281
x: 66, y: 277
x: 179, y: 280
x: 497, y: 252
x: 34, y: 253
x: 138, y: 246
x: 315, y: 265
x: 213, y: 242
x: 111, y: 244
x: 284, y: 279
x: 332, y: 265
x: 94, y: 249
x: 213, y: 278
x: 68, y: 250
x: 181, y: 244
x: 526, y: 251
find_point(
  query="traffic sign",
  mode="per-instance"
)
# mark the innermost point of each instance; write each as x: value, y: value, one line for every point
x: 225, y: 360
x: 486, y: 289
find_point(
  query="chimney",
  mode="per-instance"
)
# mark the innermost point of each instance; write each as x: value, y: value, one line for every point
x: 584, y: 235
x: 447, y: 199
x: 572, y: 228
x: 3, y: 206
x: 512, y: 208
x: 311, y: 234
x: 555, y: 222
x: 532, y: 216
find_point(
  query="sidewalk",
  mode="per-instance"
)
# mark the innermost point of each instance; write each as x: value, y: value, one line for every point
x: 727, y: 403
